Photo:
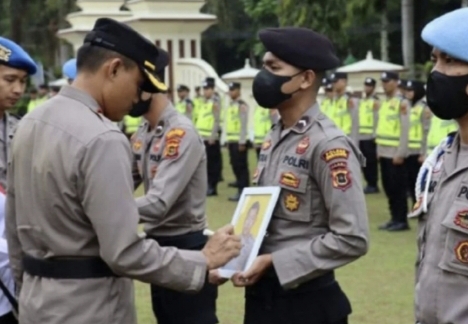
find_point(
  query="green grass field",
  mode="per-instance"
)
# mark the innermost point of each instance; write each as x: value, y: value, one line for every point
x: 379, y: 285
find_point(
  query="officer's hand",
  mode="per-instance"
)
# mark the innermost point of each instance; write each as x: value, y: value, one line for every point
x: 255, y: 272
x: 398, y: 161
x: 215, y: 279
x: 421, y: 159
x: 242, y: 147
x: 222, y: 247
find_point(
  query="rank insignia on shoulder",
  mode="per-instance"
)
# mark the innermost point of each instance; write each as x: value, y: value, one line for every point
x: 291, y: 202
x: 171, y: 151
x: 341, y: 177
x: 137, y: 144
x: 461, y: 219
x: 303, y: 145
x: 266, y: 145
x: 337, y: 153
x: 461, y: 251
x: 175, y: 133
x: 289, y: 179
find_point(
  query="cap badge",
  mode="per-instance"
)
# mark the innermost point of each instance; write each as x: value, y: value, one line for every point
x: 4, y: 53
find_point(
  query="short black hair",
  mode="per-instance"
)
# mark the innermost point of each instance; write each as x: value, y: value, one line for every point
x: 91, y: 58
x: 319, y: 75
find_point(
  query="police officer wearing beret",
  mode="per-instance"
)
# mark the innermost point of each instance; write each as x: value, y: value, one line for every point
x: 170, y: 160
x: 368, y: 117
x: 184, y: 105
x: 442, y: 272
x: 69, y: 70
x: 71, y: 218
x: 15, y: 67
x: 320, y: 220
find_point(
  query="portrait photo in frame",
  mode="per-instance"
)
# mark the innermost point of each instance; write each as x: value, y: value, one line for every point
x: 250, y: 221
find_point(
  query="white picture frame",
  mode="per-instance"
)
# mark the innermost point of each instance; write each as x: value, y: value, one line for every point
x: 256, y: 204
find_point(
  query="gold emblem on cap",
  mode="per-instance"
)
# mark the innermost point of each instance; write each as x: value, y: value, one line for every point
x: 154, y: 80
x: 4, y: 53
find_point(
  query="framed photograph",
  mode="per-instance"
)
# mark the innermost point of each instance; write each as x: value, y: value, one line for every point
x: 250, y: 221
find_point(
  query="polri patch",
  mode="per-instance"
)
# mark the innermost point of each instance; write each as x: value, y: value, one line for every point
x: 461, y: 251
x: 341, y: 177
x: 461, y: 219
x: 175, y: 133
x: 303, y: 145
x: 291, y: 202
x: 337, y: 153
x: 289, y: 179
x: 171, y: 151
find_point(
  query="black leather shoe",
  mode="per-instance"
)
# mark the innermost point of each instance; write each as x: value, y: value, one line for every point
x: 386, y: 226
x: 233, y: 184
x: 371, y: 190
x: 234, y: 198
x: 398, y: 227
x: 212, y: 192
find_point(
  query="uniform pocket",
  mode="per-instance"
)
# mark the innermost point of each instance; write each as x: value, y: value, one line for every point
x: 455, y: 255
x: 294, y: 203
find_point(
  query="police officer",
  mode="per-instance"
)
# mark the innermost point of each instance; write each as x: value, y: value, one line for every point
x: 320, y: 220
x: 74, y: 245
x: 441, y: 287
x: 419, y: 127
x: 208, y: 125
x: 236, y: 136
x: 368, y: 115
x: 15, y: 67
x: 344, y: 112
x: 170, y: 160
x: 184, y: 105
x: 327, y: 103
x: 263, y: 120
x: 438, y: 130
x: 392, y: 148
x: 42, y: 96
x: 401, y: 91
x: 197, y: 101
x: 69, y: 70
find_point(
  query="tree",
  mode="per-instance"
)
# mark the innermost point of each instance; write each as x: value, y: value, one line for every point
x: 407, y: 22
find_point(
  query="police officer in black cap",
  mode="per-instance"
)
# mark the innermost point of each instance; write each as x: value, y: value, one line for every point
x: 320, y: 221
x: 184, y: 105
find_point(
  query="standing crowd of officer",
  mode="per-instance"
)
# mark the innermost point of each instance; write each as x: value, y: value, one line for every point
x: 394, y: 132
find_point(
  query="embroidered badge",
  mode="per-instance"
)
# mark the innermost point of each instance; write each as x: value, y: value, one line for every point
x: 303, y: 145
x: 175, y: 133
x: 171, y: 151
x: 461, y: 252
x: 157, y: 146
x: 291, y: 202
x: 289, y: 179
x: 266, y: 145
x: 137, y: 145
x: 341, y: 177
x: 338, y: 153
x: 4, y: 53
x: 461, y: 219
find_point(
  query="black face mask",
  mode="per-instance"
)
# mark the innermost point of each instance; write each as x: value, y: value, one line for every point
x: 140, y: 108
x: 266, y: 89
x: 446, y: 95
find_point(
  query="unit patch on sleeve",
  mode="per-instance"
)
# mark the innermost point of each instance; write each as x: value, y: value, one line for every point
x: 461, y: 219
x: 171, y: 151
x: 303, y: 145
x: 289, y: 179
x: 175, y: 133
x: 291, y: 202
x: 461, y: 252
x: 341, y: 177
x: 137, y: 144
x: 337, y: 153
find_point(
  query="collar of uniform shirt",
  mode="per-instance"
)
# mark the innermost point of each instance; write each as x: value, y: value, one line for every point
x: 81, y: 96
x: 304, y: 123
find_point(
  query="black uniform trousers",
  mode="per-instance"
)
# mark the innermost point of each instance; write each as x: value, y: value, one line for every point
x: 257, y: 150
x: 8, y: 318
x: 173, y: 307
x: 214, y: 162
x: 319, y: 301
x: 395, y: 184
x: 239, y: 165
x: 370, y: 171
x: 412, y: 167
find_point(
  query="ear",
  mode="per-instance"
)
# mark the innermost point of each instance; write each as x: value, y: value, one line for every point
x: 308, y: 79
x: 113, y: 67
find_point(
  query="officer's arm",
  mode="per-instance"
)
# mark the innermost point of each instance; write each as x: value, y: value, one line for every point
x: 404, y: 130
x: 217, y: 120
x: 354, y: 111
x: 108, y: 203
x: 339, y: 180
x: 15, y: 252
x: 179, y: 161
x: 243, y: 112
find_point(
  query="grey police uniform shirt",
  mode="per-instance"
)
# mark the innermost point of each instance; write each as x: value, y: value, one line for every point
x: 441, y: 291
x: 7, y: 127
x: 70, y: 195
x: 320, y: 220
x: 170, y: 160
x: 401, y: 151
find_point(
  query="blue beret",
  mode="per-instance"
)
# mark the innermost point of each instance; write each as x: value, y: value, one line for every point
x: 11, y: 54
x: 300, y: 47
x: 448, y: 33
x: 69, y: 69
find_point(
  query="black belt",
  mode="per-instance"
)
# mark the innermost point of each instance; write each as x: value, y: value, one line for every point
x: 188, y: 241
x: 58, y: 268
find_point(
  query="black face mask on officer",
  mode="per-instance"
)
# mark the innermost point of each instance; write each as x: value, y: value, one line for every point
x: 446, y: 95
x: 266, y: 88
x: 143, y: 106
